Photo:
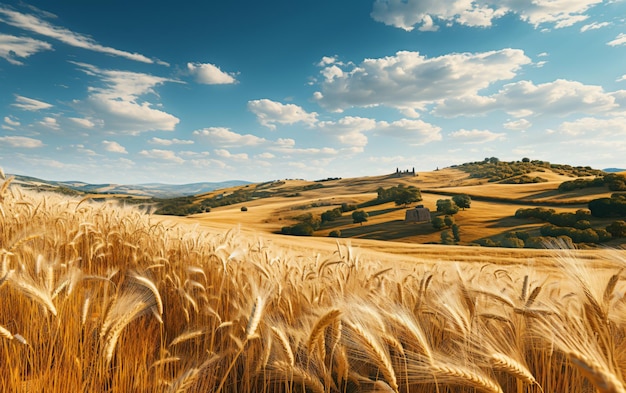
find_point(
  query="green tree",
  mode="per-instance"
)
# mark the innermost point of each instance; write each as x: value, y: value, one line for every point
x: 447, y: 206
x: 359, y: 217
x: 438, y: 223
x: 447, y: 237
x: 405, y: 196
x: 456, y: 232
x: 463, y: 201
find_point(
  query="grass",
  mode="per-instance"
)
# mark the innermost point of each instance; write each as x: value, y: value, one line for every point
x: 101, y: 297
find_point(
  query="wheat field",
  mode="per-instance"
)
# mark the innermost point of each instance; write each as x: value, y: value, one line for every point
x: 98, y: 297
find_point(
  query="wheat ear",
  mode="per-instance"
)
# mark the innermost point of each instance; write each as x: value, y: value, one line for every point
x: 5, y: 333
x: 284, y: 344
x: 255, y: 317
x: 507, y: 364
x: 185, y: 381
x: 464, y: 376
x: 318, y: 331
x: 186, y: 336
x: 373, y: 347
x: 604, y: 380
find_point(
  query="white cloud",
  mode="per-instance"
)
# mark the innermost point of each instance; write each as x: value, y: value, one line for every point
x: 114, y: 147
x: 410, y: 80
x: 524, y: 98
x: 210, y: 74
x: 21, y: 142
x: 226, y: 154
x: 594, y: 26
x: 619, y: 40
x: 415, y: 132
x: 42, y: 27
x: 265, y: 156
x: 519, y: 125
x: 85, y: 123
x: 476, y: 136
x: 622, y: 78
x: 221, y: 136
x: 50, y: 122
x: 30, y: 104
x: 407, y: 14
x: 613, y: 128
x: 13, y: 123
x: 349, y: 130
x: 118, y: 101
x: 12, y: 47
x: 162, y: 155
x: 269, y: 113
x: 169, y: 142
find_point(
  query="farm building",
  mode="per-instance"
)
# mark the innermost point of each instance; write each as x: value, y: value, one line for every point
x: 418, y: 214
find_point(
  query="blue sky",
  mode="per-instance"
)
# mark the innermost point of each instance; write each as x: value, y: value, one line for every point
x: 161, y: 91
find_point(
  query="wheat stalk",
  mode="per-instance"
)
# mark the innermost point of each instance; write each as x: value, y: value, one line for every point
x: 507, y: 364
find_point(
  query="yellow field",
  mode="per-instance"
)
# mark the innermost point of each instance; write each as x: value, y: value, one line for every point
x: 96, y: 297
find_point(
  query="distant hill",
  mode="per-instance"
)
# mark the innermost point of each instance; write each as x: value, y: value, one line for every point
x: 613, y: 170
x: 155, y: 190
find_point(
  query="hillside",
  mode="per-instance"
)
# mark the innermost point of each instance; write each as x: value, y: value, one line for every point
x: 490, y: 219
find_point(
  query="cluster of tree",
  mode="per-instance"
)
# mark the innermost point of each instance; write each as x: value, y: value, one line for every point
x: 327, y: 179
x: 524, y: 179
x: 447, y: 206
x: 588, y: 235
x: 440, y: 223
x: 614, y: 181
x: 580, y: 219
x: 307, y: 224
x: 523, y: 240
x: 574, y: 226
x: 400, y: 195
x: 493, y: 169
x: 451, y: 236
x: 615, y: 206
x: 333, y: 214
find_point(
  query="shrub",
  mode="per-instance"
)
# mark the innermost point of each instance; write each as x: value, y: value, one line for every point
x: 335, y: 233
x: 244, y: 209
x: 447, y: 206
x: 617, y: 228
x: 345, y: 207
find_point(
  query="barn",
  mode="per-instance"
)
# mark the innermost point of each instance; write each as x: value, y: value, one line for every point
x: 418, y: 214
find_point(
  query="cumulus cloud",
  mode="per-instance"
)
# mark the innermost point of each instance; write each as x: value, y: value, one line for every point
x: 21, y: 142
x: 12, y: 48
x: 49, y: 122
x: 37, y: 25
x: 619, y: 40
x: 210, y: 74
x: 612, y: 128
x: 410, y: 80
x: 348, y: 130
x: 30, y: 104
x: 476, y: 136
x: 519, y: 125
x: 227, y: 154
x: 414, y: 132
x: 114, y: 147
x: 222, y: 136
x: 85, y: 123
x: 162, y: 155
x: 426, y: 14
x: 269, y: 113
x: 524, y: 98
x: 119, y: 103
x: 170, y: 142
x: 265, y: 156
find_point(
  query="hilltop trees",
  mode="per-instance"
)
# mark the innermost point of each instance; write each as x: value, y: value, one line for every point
x: 405, y: 196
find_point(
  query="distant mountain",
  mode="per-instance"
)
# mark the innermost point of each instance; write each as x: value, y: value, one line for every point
x: 614, y: 170
x: 156, y: 190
